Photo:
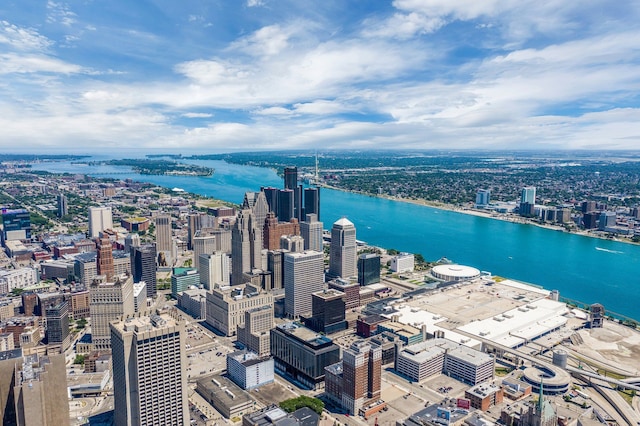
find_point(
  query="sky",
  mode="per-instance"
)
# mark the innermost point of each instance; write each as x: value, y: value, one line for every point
x: 212, y: 76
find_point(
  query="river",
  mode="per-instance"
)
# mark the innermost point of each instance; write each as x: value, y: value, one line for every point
x: 581, y: 268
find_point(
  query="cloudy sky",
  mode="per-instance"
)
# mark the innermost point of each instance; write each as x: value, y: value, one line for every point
x: 233, y: 75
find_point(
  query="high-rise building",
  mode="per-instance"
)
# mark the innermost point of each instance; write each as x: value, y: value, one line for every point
x: 286, y: 205
x: 590, y: 220
x: 528, y: 195
x: 63, y: 206
x: 274, y: 229
x: 483, y: 198
x: 202, y: 244
x: 291, y: 183
x: 196, y: 222
x: 100, y: 218
x: 250, y: 370
x: 302, y: 354
x: 105, y: 259
x: 343, y: 250
x: 131, y: 240
x: 303, y: 275
x: 226, y: 306
x: 311, y: 231
x: 109, y: 301
x: 182, y: 279
x: 58, y: 325
x: 368, y: 268
x: 143, y: 267
x: 246, y: 246
x: 257, y: 203
x: 30, y: 390
x: 214, y: 269
x: 292, y: 243
x: 149, y: 373
x: 290, y: 177
x: 16, y: 224
x: 271, y: 195
x: 312, y: 201
x: 607, y: 219
x: 355, y: 381
x: 254, y: 333
x: 223, y: 239
x: 588, y: 206
x: 164, y: 240
x: 275, y: 265
x: 328, y: 311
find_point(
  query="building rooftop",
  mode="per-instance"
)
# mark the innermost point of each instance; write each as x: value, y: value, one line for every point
x: 328, y: 294
x: 225, y: 390
x: 483, y: 390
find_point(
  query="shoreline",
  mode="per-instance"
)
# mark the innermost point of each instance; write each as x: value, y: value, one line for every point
x: 478, y: 213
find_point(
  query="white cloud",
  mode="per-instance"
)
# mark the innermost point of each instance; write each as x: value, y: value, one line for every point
x: 23, y: 39
x: 60, y: 13
x: 13, y: 63
x: 267, y: 41
x: 254, y: 3
x: 197, y: 115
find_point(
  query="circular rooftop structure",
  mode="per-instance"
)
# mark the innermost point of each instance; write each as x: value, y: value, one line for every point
x: 454, y: 272
x: 554, y: 381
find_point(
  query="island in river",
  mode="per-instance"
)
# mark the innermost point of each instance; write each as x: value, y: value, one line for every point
x: 159, y: 167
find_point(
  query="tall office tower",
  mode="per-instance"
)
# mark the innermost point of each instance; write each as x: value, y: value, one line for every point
x: 202, y: 244
x: 131, y: 240
x: 361, y: 373
x: 607, y: 219
x: 214, y: 269
x: 257, y: 202
x: 273, y: 230
x: 105, y: 258
x: 271, y: 195
x: 528, y: 195
x: 164, y: 240
x: 588, y: 206
x: 197, y: 221
x: 223, y: 239
x: 292, y: 243
x: 63, y: 206
x: 312, y: 201
x: 31, y: 390
x: 483, y: 198
x: 109, y: 301
x: 149, y: 373
x: 275, y: 265
x: 290, y: 177
x: 303, y: 275
x: 100, y: 218
x: 328, y: 311
x: 368, y: 268
x: 343, y: 250
x: 246, y: 246
x: 143, y: 267
x: 58, y: 325
x: 254, y: 333
x: 226, y: 306
x: 311, y: 231
x: 16, y: 224
x: 286, y: 202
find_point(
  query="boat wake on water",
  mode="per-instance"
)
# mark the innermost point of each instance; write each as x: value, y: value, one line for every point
x: 609, y: 251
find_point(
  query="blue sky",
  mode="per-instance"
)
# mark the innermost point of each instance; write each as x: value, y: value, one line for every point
x: 236, y: 75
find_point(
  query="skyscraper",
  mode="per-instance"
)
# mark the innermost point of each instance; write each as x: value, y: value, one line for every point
x: 58, y: 325
x: 100, y: 218
x: 528, y: 195
x: 214, y: 269
x: 164, y: 240
x: 149, y: 376
x: 257, y: 202
x: 105, y: 258
x: 312, y: 201
x: 254, y: 333
x: 246, y: 246
x: 109, y: 301
x: 328, y: 311
x: 196, y: 222
x: 286, y: 205
x: 361, y: 375
x: 311, y: 231
x: 343, y: 250
x: 16, y: 224
x: 483, y: 198
x: 290, y: 177
x: 131, y: 240
x: 271, y: 195
x: 368, y: 268
x: 303, y: 275
x: 143, y: 267
x: 202, y: 244
x: 63, y: 207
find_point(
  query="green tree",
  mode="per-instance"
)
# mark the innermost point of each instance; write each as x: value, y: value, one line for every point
x: 291, y: 405
x: 79, y: 359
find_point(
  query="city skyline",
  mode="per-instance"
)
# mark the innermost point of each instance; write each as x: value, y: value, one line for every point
x: 261, y: 75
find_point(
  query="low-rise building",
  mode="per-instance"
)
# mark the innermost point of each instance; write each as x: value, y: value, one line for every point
x: 225, y: 396
x: 249, y: 370
x: 404, y: 262
x: 194, y: 302
x: 484, y: 396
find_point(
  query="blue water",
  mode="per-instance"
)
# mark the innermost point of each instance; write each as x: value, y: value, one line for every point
x: 582, y: 268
